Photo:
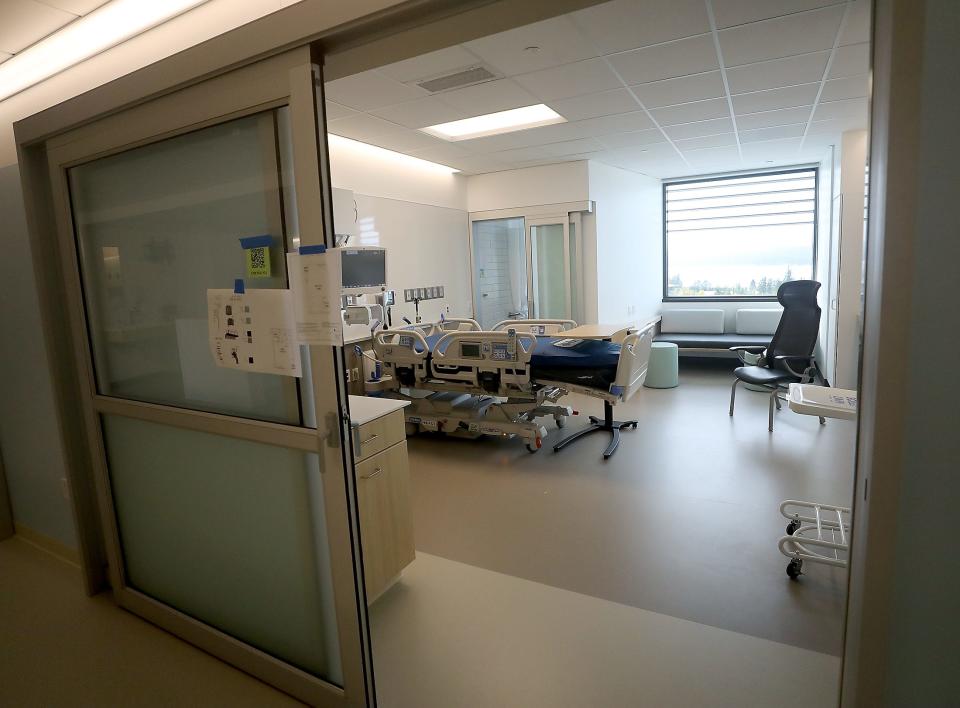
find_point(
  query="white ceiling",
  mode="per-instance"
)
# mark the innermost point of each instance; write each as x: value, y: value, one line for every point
x: 663, y: 87
x: 25, y: 22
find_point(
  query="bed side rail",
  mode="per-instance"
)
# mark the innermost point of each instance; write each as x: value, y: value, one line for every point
x: 494, y: 361
x: 633, y: 361
x: 538, y: 327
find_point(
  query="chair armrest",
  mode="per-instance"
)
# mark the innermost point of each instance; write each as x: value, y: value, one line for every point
x: 785, y: 358
x: 752, y: 349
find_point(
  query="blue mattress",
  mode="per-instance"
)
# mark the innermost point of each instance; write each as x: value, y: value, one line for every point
x: 590, y: 362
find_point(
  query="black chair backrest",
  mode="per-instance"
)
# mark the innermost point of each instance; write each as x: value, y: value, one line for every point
x: 799, y: 326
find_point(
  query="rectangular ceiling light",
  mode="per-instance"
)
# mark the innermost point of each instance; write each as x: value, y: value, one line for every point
x: 105, y: 27
x: 496, y: 123
x: 374, y: 151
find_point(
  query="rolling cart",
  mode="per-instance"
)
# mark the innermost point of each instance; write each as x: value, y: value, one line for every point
x: 818, y: 533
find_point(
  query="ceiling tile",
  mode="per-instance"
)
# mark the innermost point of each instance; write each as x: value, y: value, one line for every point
x: 695, y: 130
x: 739, y: 12
x: 857, y: 29
x: 852, y: 109
x: 477, y: 164
x: 781, y: 37
x: 838, y: 125
x: 685, y: 89
x: 361, y: 126
x: 719, y: 159
x: 369, y: 90
x: 775, y: 133
x: 557, y: 40
x: 642, y: 157
x: 849, y: 87
x: 851, y: 60
x: 690, y: 112
x: 526, y: 138
x: 440, y: 153
x: 708, y: 141
x: 768, y: 119
x: 591, y: 105
x: 802, y: 69
x: 427, y: 66
x: 538, y: 152
x: 634, y: 138
x: 570, y: 80
x: 776, y: 150
x: 666, y: 61
x: 422, y: 112
x: 4, y: 56
x: 405, y: 141
x: 773, y: 99
x: 619, y: 123
x: 77, y: 7
x: 335, y: 111
x: 26, y: 21
x: 628, y: 24
x: 489, y: 97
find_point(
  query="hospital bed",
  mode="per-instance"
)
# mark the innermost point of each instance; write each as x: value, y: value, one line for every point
x: 464, y: 381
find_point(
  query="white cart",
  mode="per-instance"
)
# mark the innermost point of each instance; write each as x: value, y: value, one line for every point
x: 818, y: 533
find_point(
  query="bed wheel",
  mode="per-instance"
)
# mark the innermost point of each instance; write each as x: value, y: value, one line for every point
x: 532, y: 448
x: 794, y: 568
x: 792, y: 527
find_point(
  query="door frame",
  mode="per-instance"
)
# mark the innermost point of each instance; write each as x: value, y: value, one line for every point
x: 292, y: 79
x: 563, y: 220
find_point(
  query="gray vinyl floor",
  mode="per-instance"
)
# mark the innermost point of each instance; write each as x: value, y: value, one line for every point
x: 683, y: 520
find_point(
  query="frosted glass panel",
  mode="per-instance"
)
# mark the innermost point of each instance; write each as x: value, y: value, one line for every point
x: 499, y: 270
x: 229, y: 532
x: 550, y: 279
x: 156, y: 227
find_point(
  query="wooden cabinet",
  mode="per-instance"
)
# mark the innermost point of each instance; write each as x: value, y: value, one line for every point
x: 383, y: 494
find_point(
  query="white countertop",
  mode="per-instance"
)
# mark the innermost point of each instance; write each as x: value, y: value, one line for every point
x: 363, y: 409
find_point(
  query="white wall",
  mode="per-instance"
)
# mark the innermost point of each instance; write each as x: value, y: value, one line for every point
x: 418, y: 213
x: 853, y: 156
x: 629, y: 243
x: 530, y: 186
x: 827, y: 257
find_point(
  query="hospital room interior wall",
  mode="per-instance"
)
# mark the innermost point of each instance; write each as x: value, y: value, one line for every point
x: 629, y: 243
x: 528, y: 186
x: 824, y: 350
x: 418, y: 213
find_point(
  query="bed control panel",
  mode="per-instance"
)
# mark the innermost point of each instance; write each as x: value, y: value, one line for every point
x: 471, y: 350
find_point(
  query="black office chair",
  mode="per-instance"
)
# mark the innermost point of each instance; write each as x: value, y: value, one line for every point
x: 791, y: 346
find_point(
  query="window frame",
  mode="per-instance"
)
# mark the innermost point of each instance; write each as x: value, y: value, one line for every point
x: 735, y: 175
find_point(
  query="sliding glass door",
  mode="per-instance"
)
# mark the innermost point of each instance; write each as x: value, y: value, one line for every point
x: 524, y: 267
x: 228, y: 511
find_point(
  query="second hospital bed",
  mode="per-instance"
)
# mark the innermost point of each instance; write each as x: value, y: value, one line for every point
x: 462, y: 380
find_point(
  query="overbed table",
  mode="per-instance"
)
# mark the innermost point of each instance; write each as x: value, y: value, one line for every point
x: 607, y: 333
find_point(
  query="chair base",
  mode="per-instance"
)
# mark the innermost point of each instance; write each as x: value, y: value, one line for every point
x: 608, y: 424
x: 775, y: 391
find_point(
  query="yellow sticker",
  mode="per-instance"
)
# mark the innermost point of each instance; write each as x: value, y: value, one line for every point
x: 258, y: 262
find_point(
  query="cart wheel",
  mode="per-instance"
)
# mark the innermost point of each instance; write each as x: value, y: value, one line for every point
x: 560, y: 422
x: 792, y: 527
x: 532, y: 448
x: 634, y: 426
x: 794, y: 568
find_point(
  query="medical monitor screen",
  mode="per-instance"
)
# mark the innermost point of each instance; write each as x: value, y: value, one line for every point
x: 364, y: 268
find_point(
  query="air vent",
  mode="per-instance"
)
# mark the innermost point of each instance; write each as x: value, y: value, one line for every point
x: 464, y: 77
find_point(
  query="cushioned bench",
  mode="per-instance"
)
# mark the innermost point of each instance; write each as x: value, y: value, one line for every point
x: 701, y: 332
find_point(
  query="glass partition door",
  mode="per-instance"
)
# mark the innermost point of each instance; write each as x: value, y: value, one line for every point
x: 228, y: 515
x: 550, y: 268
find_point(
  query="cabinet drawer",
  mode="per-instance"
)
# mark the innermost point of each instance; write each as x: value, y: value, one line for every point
x: 386, y: 518
x: 377, y: 435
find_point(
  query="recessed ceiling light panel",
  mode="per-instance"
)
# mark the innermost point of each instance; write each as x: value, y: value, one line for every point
x: 496, y: 123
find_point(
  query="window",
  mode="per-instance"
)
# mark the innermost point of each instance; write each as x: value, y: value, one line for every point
x: 739, y: 237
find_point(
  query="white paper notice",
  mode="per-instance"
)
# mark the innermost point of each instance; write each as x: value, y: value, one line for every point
x: 316, y: 285
x: 253, y: 331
